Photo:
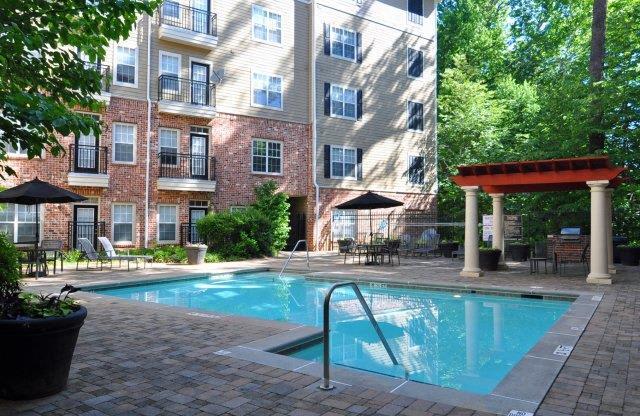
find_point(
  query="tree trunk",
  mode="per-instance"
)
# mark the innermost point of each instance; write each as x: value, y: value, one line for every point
x: 596, y: 71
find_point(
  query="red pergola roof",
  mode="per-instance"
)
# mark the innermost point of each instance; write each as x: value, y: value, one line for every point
x: 539, y: 175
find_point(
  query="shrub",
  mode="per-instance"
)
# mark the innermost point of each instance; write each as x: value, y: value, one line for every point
x: 9, y: 277
x: 73, y: 256
x: 163, y: 254
x: 275, y: 206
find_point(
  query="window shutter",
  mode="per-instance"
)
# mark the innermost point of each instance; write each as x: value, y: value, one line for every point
x: 327, y: 99
x: 359, y: 164
x: 419, y: 114
x: 420, y: 62
x: 359, y: 47
x: 410, y: 116
x: 359, y: 110
x: 327, y: 39
x: 327, y: 161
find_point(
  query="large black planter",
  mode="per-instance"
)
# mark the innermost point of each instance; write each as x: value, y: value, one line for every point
x: 35, y: 355
x: 489, y: 260
x: 629, y: 256
x: 520, y: 252
x: 448, y: 248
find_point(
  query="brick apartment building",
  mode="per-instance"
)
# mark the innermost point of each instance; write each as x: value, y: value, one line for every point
x: 209, y: 98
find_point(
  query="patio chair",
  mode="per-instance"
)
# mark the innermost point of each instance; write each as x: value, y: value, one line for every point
x: 53, y: 250
x: 458, y: 254
x: 428, y: 246
x: 392, y: 249
x: 564, y: 258
x: 91, y: 256
x: 347, y: 246
x: 538, y: 255
x: 111, y: 254
x: 406, y: 244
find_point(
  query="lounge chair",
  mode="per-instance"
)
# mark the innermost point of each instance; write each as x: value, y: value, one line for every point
x: 91, y: 256
x: 429, y: 245
x: 111, y: 254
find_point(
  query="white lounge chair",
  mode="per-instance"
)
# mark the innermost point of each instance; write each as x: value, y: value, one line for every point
x: 112, y: 255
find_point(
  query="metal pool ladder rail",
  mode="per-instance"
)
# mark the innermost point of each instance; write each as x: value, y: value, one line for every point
x: 326, y: 381
x: 286, y: 263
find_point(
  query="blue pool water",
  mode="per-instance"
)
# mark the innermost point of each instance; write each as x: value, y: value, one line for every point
x: 464, y: 341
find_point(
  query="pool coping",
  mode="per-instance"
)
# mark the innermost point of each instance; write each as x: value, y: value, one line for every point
x: 522, y: 389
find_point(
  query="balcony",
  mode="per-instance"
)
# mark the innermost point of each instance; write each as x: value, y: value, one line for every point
x: 187, y: 25
x: 88, y: 166
x: 189, y: 234
x: 186, y: 172
x: 186, y: 97
x: 105, y: 72
x: 88, y: 230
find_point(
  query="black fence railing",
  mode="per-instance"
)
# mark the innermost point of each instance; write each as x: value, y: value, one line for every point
x: 187, y: 166
x: 185, y: 90
x: 88, y: 230
x: 88, y: 159
x: 196, y: 20
x: 104, y: 70
x: 189, y: 234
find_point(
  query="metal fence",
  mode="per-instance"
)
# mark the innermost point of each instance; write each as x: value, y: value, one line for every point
x: 188, y: 18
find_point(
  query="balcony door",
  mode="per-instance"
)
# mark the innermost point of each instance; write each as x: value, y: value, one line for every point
x: 85, y: 224
x: 200, y: 18
x: 86, y: 156
x: 198, y: 155
x: 199, y: 83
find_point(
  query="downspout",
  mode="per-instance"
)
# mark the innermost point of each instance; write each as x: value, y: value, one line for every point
x: 148, y: 161
x: 314, y: 136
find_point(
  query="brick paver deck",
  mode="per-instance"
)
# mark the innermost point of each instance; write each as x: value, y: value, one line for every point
x: 147, y: 359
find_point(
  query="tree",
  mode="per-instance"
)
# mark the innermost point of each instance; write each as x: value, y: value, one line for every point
x: 596, y: 70
x: 42, y: 76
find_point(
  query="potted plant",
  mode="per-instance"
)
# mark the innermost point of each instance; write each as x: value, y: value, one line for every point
x: 447, y: 247
x: 196, y: 253
x: 489, y: 258
x: 520, y: 251
x: 630, y: 253
x: 38, y: 333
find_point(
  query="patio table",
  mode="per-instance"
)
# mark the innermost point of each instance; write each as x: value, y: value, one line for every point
x: 374, y: 250
x: 32, y: 263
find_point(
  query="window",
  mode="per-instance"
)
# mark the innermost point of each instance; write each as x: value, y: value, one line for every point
x: 123, y: 223
x: 343, y: 223
x: 266, y: 156
x: 267, y: 25
x: 343, y: 102
x: 267, y: 91
x: 414, y: 11
x: 414, y: 113
x: 416, y: 169
x: 343, y: 162
x: 414, y: 63
x: 18, y: 222
x: 169, y: 72
x: 171, y: 11
x: 126, y: 66
x: 167, y: 223
x: 124, y: 143
x: 343, y: 43
x: 15, y: 151
x: 237, y: 208
x: 169, y: 146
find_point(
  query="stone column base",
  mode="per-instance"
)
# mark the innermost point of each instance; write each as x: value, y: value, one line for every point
x: 471, y: 273
x: 612, y: 270
x: 599, y: 279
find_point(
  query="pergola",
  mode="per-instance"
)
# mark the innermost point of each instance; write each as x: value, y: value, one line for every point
x: 500, y: 179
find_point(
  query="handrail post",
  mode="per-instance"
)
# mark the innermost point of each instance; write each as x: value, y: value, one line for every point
x: 295, y: 247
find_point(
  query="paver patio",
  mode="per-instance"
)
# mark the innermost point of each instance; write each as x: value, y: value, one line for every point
x: 146, y: 359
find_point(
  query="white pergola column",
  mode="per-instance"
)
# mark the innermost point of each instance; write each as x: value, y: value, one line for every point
x: 599, y: 257
x: 498, y: 226
x: 608, y: 193
x: 471, y: 252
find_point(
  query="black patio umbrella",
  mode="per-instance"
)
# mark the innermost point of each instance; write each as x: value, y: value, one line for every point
x: 37, y: 192
x: 370, y: 201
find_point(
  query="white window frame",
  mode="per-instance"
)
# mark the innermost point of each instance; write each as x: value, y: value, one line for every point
x: 113, y: 143
x: 131, y: 44
x: 268, y: 26
x: 254, y: 104
x: 355, y: 103
x: 177, y: 131
x: 355, y: 168
x: 355, y: 44
x: 424, y: 169
x: 173, y: 55
x: 16, y: 223
x: 15, y: 155
x: 409, y: 63
x: 409, y: 116
x: 267, y: 157
x: 339, y: 224
x: 133, y: 224
x: 409, y: 21
x: 175, y: 240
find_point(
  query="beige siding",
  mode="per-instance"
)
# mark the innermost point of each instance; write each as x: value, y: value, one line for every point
x: 382, y: 132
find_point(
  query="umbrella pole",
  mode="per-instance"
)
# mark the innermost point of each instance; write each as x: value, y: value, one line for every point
x: 370, y: 228
x: 36, y: 244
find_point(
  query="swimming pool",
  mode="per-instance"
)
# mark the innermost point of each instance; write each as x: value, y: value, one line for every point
x: 465, y: 341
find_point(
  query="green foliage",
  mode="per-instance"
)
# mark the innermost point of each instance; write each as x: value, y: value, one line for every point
x: 162, y: 254
x: 42, y: 78
x: 9, y: 276
x: 73, y: 256
x: 48, y: 306
x: 275, y: 207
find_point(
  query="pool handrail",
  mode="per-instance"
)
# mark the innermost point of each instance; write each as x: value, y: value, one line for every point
x: 295, y: 247
x: 325, y: 384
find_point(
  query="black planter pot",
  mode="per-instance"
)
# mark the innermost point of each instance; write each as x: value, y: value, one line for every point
x: 489, y: 260
x: 618, y: 241
x: 447, y: 248
x: 520, y: 252
x: 35, y: 355
x: 629, y: 256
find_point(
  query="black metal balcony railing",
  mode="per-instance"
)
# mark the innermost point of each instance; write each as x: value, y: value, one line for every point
x: 189, y: 234
x: 104, y: 70
x: 88, y: 230
x: 187, y: 166
x: 189, y: 18
x: 88, y: 159
x: 186, y: 91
